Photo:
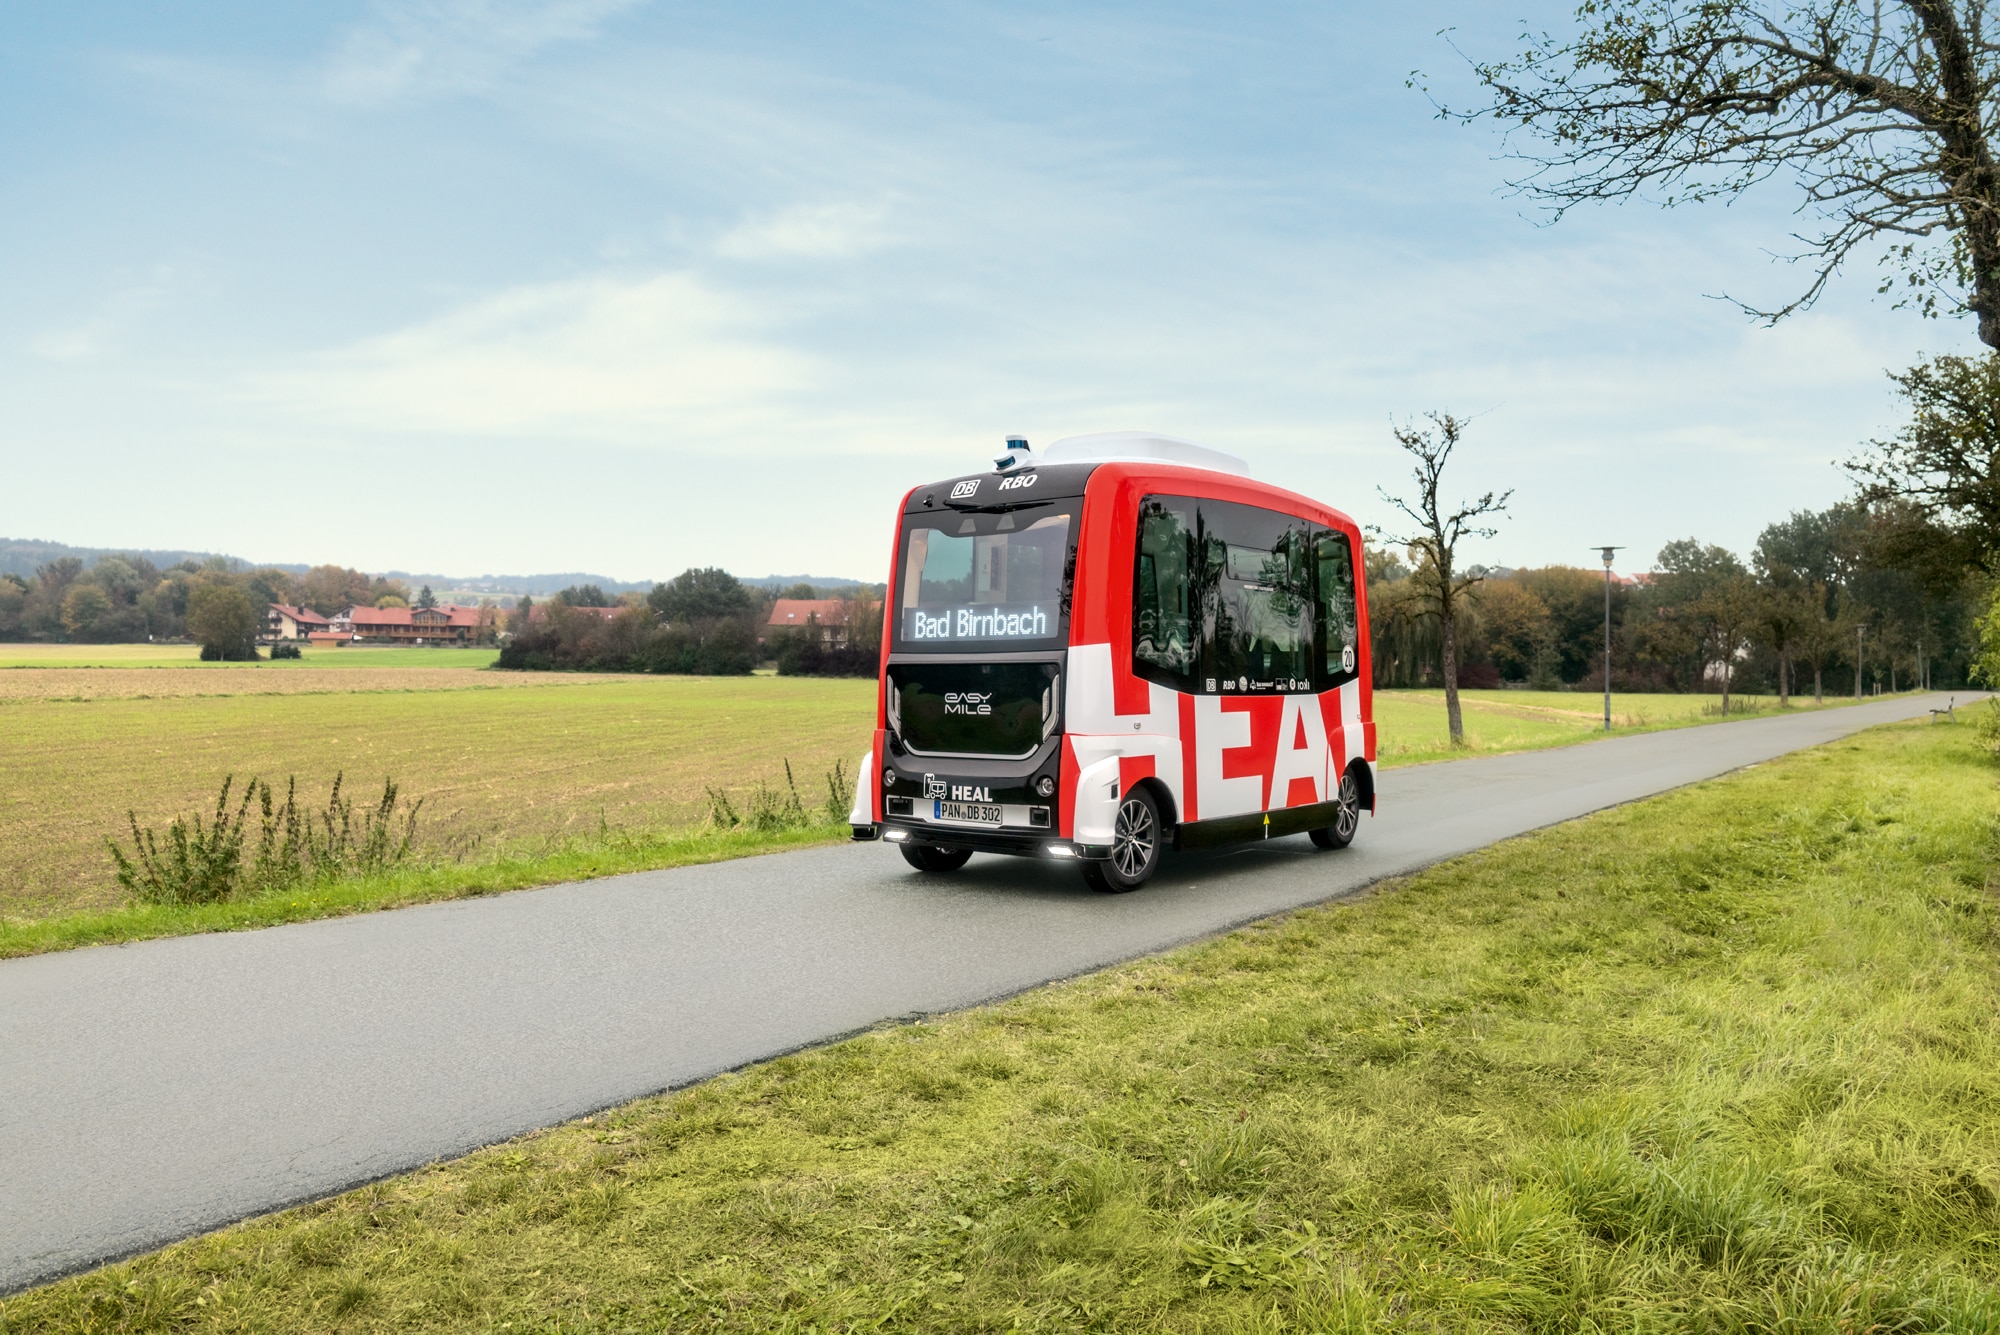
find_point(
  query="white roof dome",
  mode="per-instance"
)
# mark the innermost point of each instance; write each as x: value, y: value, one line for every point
x: 1141, y: 447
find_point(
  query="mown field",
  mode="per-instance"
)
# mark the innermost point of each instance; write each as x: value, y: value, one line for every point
x: 1723, y: 1061
x: 497, y: 759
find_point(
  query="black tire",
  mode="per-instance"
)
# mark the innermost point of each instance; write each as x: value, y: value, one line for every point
x: 935, y: 859
x: 1137, y: 839
x: 1346, y: 817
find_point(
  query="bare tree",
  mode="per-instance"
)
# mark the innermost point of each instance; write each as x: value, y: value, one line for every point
x: 1435, y: 539
x: 1882, y: 112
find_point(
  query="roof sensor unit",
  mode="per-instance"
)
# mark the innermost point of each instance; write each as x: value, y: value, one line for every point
x: 1015, y: 457
x: 1141, y: 447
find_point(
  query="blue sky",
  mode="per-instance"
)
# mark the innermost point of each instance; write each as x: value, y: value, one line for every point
x: 596, y: 284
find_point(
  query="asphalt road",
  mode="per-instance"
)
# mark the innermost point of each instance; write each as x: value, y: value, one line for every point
x: 156, y: 1090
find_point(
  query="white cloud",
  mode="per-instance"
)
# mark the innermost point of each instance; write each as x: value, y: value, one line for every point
x: 623, y: 360
x: 811, y: 231
x: 438, y: 47
x: 100, y: 332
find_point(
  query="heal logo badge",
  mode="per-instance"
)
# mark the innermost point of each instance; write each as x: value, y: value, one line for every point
x: 969, y: 487
x: 933, y: 786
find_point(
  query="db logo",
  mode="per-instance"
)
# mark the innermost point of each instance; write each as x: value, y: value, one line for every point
x: 932, y: 786
x: 964, y: 489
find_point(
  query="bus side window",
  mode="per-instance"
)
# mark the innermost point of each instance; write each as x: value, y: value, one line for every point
x: 1336, y: 608
x: 1162, y: 632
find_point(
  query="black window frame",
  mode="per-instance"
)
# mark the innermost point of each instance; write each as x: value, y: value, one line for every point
x: 1208, y: 540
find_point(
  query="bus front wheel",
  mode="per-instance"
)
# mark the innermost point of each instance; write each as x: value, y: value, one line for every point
x: 1346, y: 815
x: 1135, y: 847
x: 934, y: 859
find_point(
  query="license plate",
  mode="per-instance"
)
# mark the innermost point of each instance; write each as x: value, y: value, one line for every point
x: 972, y: 813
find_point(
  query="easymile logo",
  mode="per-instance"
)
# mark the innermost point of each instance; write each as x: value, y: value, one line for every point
x: 969, y: 487
x: 968, y: 702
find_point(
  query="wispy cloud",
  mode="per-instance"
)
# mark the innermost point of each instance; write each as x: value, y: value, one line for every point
x: 428, y: 48
x: 808, y: 231
x: 622, y: 360
x: 101, y: 331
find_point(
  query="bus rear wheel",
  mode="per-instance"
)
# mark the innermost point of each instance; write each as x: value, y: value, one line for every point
x: 1346, y: 815
x: 1136, y: 840
x: 935, y: 859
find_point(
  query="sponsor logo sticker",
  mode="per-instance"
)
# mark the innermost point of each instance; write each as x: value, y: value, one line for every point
x: 933, y: 786
x: 969, y: 487
x: 968, y: 702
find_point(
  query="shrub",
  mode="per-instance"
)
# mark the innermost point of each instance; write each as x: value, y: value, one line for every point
x: 772, y: 809
x: 285, y: 651
x: 802, y: 655
x: 203, y: 864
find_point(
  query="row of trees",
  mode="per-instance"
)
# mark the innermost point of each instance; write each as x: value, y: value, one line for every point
x: 701, y: 621
x: 127, y: 598
x: 1823, y: 596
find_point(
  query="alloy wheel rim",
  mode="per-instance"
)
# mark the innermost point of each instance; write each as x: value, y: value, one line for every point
x: 1348, y: 817
x: 1132, y: 848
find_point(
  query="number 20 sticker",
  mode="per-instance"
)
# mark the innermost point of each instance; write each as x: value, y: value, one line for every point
x: 1347, y: 658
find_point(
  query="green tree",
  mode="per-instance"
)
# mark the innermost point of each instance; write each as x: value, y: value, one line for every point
x: 581, y: 595
x: 224, y: 621
x: 1944, y: 464
x: 13, y: 603
x: 85, y: 609
x: 426, y: 599
x: 391, y: 600
x: 695, y: 597
x: 1881, y: 114
x: 1434, y: 536
x: 1518, y: 626
x: 330, y: 589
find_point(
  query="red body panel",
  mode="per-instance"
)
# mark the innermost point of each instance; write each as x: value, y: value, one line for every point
x: 1214, y: 755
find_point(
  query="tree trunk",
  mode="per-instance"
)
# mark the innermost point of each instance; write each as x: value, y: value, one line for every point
x: 1784, y: 682
x: 1726, y: 665
x: 1966, y: 165
x: 1447, y: 622
x: 1819, y: 691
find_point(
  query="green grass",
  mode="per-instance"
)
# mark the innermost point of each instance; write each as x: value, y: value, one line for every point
x: 1726, y: 1060
x: 189, y: 655
x: 575, y: 858
x: 1411, y: 726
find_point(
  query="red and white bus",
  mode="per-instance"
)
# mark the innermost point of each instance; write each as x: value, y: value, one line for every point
x: 1120, y: 646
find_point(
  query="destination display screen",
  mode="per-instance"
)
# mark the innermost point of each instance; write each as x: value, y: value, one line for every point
x: 985, y: 580
x: 956, y: 625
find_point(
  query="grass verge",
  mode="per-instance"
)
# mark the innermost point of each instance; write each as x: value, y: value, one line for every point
x: 573, y: 859
x: 1726, y: 1060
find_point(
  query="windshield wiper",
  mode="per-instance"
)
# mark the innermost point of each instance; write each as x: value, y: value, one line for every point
x: 998, y: 507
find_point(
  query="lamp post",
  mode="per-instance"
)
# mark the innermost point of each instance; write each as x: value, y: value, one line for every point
x: 1607, y: 633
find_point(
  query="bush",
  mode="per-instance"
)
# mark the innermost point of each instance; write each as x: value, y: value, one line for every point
x: 285, y: 651
x: 203, y: 864
x: 771, y: 809
x: 802, y: 655
x: 570, y: 640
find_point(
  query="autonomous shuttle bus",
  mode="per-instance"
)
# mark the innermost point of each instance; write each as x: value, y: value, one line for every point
x: 1122, y: 645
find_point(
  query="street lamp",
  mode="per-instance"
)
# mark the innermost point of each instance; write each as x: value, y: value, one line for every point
x: 1607, y: 633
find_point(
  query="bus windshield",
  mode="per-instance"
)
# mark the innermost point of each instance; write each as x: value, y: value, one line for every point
x: 975, y: 582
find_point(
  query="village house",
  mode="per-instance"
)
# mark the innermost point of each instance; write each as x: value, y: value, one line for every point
x: 285, y: 622
x: 443, y: 624
x: 829, y: 614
